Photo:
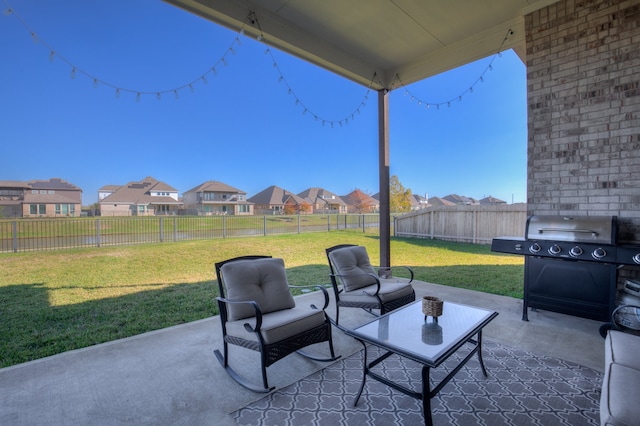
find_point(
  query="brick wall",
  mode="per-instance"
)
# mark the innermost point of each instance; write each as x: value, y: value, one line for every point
x: 583, y: 78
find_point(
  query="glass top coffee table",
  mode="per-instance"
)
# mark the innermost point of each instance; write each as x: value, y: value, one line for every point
x: 406, y: 332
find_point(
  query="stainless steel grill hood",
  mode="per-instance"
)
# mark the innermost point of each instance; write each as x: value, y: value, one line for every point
x: 583, y: 229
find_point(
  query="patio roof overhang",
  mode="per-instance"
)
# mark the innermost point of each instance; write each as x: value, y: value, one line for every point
x: 357, y: 39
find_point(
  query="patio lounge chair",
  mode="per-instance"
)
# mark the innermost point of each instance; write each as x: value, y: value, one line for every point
x: 357, y: 284
x: 258, y: 312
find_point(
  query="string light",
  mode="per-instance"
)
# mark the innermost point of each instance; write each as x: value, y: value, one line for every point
x: 480, y: 79
x: 298, y: 102
x: 251, y: 19
x: 96, y: 81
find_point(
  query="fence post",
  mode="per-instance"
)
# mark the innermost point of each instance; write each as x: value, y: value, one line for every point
x: 475, y: 226
x: 264, y: 225
x: 97, y: 232
x: 161, y: 229
x: 364, y: 226
x: 224, y: 227
x: 394, y: 225
x: 15, y: 236
x: 328, y: 222
x: 175, y: 228
x: 298, y: 223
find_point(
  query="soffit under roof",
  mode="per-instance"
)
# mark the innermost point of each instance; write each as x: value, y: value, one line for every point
x: 414, y: 39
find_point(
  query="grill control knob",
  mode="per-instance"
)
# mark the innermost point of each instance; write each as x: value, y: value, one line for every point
x: 555, y: 249
x: 599, y: 253
x: 575, y: 251
x: 636, y: 258
x: 535, y: 247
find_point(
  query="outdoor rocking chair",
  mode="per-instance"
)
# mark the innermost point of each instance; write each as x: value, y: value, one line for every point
x: 258, y: 312
x: 356, y: 283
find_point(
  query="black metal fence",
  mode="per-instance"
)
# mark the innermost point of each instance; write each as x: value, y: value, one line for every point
x: 50, y: 234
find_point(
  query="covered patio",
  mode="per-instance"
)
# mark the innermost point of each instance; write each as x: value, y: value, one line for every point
x: 380, y: 44
x: 171, y: 377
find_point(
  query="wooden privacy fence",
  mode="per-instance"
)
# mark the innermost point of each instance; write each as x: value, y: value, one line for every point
x: 474, y: 224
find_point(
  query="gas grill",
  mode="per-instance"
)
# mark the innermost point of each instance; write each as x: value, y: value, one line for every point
x: 570, y: 264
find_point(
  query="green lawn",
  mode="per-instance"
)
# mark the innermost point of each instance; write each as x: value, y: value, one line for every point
x: 68, y: 299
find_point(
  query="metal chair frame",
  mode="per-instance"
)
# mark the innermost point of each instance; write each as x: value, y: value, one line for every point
x: 269, y: 353
x: 369, y: 307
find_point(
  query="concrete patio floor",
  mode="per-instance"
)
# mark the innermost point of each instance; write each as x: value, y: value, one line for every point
x: 171, y: 377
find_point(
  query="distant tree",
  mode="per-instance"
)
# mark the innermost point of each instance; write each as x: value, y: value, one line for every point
x: 399, y: 197
x: 305, y: 208
x: 290, y: 208
x: 360, y: 202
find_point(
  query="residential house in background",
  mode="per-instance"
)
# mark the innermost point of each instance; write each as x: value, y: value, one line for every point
x: 419, y: 202
x: 275, y: 200
x: 323, y: 201
x: 149, y: 197
x: 40, y: 198
x: 437, y: 201
x: 107, y: 190
x: 213, y: 197
x: 491, y: 201
x: 360, y: 202
x: 461, y: 200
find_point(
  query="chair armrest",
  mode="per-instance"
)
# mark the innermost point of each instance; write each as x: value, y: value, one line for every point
x: 256, y: 308
x: 316, y: 286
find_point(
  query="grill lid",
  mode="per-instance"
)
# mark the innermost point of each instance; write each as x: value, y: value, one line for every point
x: 585, y: 229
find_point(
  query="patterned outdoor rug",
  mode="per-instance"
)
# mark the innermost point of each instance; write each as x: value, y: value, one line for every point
x: 522, y: 389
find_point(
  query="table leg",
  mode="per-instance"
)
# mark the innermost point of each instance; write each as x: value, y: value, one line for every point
x: 426, y: 396
x: 364, y: 373
x: 484, y: 370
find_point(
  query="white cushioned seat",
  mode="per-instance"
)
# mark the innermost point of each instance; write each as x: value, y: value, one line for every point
x: 621, y: 381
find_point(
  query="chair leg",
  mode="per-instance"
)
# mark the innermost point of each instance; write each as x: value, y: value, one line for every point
x: 239, y: 379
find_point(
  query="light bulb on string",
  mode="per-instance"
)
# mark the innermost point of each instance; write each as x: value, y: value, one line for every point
x: 204, y: 79
x: 52, y: 56
x: 158, y: 96
x: 175, y: 93
x: 191, y: 88
x: 138, y: 97
x: 73, y: 73
x: 34, y: 37
x: 214, y: 71
x: 95, y: 83
x: 224, y: 61
x: 8, y: 12
x: 259, y: 38
x: 117, y: 93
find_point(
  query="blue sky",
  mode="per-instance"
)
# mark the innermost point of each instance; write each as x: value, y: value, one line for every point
x: 242, y: 127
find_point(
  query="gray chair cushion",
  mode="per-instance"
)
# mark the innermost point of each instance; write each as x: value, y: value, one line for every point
x: 280, y: 325
x: 391, y: 289
x: 621, y: 381
x: 353, y: 265
x: 263, y: 281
